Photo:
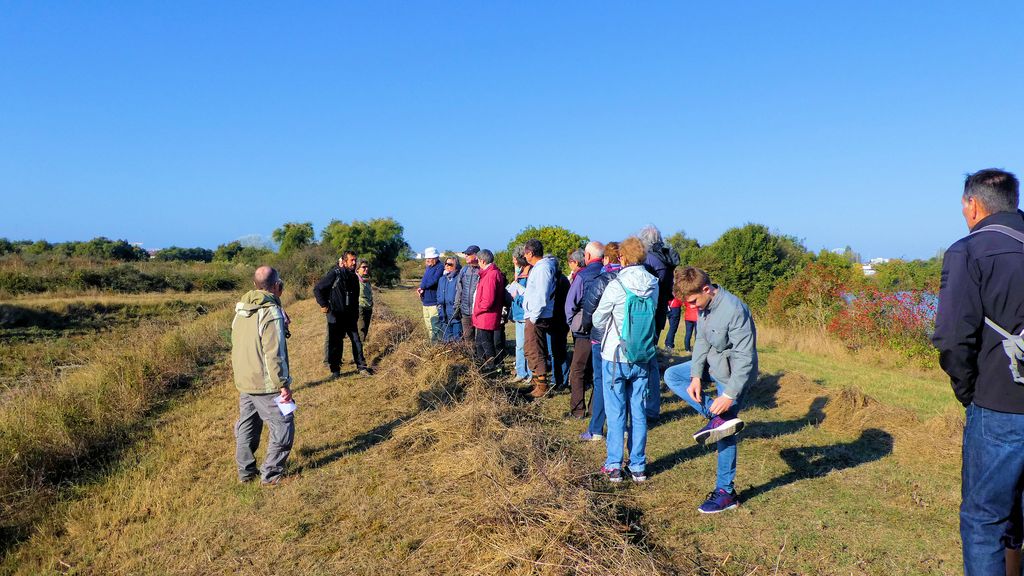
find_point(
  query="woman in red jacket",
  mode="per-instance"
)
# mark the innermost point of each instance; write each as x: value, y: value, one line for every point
x: 488, y: 314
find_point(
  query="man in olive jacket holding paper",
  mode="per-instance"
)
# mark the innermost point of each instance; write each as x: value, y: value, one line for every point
x: 259, y: 360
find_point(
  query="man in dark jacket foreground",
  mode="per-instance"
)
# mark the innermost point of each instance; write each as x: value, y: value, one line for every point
x: 337, y: 293
x: 982, y: 291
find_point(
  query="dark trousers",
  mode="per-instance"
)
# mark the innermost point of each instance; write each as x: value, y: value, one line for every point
x: 673, y: 325
x: 336, y: 333
x: 558, y: 354
x: 468, y: 330
x: 691, y: 325
x: 490, y: 348
x: 364, y: 322
x: 536, y: 347
x: 581, y: 376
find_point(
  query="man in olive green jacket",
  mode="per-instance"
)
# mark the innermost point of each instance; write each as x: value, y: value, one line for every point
x: 259, y: 359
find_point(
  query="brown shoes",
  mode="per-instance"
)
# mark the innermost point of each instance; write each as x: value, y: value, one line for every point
x: 540, y: 386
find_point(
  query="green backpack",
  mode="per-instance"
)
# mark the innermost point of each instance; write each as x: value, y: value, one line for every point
x: 638, y: 341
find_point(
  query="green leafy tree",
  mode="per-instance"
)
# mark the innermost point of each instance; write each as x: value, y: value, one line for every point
x: 102, y: 248
x: 176, y: 254
x: 897, y: 275
x: 379, y: 241
x: 556, y: 240
x: 238, y: 253
x: 688, y: 248
x: 6, y: 246
x: 749, y: 261
x: 293, y: 236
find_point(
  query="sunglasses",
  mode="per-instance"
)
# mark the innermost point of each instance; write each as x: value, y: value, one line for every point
x: 449, y: 263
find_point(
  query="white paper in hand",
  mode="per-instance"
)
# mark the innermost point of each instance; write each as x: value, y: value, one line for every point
x: 286, y: 408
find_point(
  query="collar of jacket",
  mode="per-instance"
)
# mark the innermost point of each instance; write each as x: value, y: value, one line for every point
x: 1010, y: 219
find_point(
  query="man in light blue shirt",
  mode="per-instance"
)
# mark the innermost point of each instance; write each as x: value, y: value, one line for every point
x: 538, y: 306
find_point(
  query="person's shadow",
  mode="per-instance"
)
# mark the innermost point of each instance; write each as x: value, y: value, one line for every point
x: 816, y: 461
x: 763, y: 395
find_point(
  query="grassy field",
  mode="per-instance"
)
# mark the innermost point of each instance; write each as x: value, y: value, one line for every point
x: 848, y: 466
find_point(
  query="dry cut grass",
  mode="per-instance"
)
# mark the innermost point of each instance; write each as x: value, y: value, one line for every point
x: 424, y: 468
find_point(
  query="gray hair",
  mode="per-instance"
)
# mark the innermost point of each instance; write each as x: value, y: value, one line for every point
x: 485, y: 256
x: 996, y: 190
x: 577, y: 256
x: 595, y: 249
x: 517, y: 255
x: 649, y: 236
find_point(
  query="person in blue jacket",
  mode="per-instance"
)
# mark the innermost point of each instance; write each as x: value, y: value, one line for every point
x: 448, y: 313
x: 428, y: 291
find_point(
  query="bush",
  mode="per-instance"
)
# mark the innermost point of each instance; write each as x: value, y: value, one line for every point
x: 175, y: 254
x: 750, y: 261
x: 898, y: 321
x: 815, y: 294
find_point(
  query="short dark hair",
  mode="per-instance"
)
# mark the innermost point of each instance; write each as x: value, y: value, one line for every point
x: 996, y: 190
x: 533, y: 246
x: 348, y: 253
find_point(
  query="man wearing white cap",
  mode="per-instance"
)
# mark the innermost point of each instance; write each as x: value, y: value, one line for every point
x: 428, y: 291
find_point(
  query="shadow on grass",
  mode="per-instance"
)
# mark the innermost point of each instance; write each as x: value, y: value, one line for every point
x: 332, y: 452
x: 816, y: 461
x: 762, y: 396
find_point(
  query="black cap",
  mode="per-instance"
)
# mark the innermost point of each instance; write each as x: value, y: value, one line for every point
x: 473, y: 249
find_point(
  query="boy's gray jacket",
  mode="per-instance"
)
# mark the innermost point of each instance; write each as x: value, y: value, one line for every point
x: 259, y: 351
x: 726, y: 343
x: 612, y: 307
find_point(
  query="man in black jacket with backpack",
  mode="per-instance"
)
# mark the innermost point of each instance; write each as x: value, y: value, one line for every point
x: 337, y: 293
x: 977, y: 332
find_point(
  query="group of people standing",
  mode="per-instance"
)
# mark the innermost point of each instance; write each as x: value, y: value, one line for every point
x: 615, y: 303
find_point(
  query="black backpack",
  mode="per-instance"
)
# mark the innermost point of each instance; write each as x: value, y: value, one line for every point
x: 339, y: 294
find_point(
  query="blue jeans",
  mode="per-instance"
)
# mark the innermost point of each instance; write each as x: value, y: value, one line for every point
x: 653, y: 402
x: 677, y: 378
x: 597, y: 397
x: 673, y: 325
x: 625, y: 383
x: 521, y: 370
x: 691, y: 325
x: 993, y: 468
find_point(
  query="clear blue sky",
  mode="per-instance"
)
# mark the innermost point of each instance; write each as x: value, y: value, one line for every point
x: 196, y: 123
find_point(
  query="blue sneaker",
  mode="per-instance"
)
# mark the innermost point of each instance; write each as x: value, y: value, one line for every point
x: 719, y: 501
x: 638, y: 476
x: 718, y: 428
x: 588, y: 437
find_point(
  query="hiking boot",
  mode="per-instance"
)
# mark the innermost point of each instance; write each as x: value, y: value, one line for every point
x: 335, y: 373
x: 540, y: 387
x: 718, y: 428
x: 364, y: 371
x: 614, y: 475
x: 719, y: 501
x: 588, y: 437
x: 640, y: 476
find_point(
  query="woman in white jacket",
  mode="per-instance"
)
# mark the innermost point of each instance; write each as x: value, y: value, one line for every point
x: 628, y: 345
